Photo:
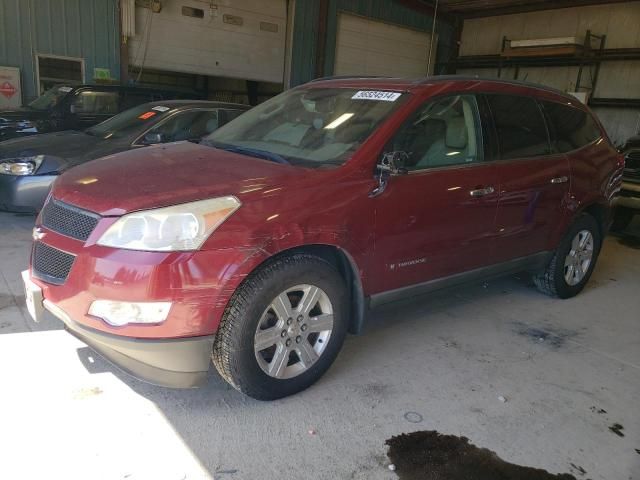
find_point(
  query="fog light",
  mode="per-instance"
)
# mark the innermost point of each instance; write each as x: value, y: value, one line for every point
x: 123, y: 313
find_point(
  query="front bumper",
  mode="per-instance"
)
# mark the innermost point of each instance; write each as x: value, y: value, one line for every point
x: 70, y: 274
x: 176, y: 363
x: 24, y: 193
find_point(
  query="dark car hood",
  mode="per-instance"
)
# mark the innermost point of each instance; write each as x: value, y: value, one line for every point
x: 170, y: 174
x: 22, y: 114
x: 61, y: 150
x: 21, y: 122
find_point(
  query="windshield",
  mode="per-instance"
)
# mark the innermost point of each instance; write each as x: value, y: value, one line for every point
x: 307, y: 126
x: 50, y: 98
x: 129, y: 121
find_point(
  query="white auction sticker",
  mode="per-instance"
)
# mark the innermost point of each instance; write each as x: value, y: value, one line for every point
x: 160, y: 108
x: 376, y: 95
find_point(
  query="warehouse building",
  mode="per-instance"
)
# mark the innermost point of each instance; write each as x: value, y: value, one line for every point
x: 249, y: 50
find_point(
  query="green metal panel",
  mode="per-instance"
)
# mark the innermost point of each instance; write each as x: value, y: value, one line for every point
x: 86, y: 29
x: 305, y: 27
x: 305, y: 31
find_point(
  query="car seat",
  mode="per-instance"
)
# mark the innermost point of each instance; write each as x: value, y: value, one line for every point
x: 449, y: 149
x: 420, y: 137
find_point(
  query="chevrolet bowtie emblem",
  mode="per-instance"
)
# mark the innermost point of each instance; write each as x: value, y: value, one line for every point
x: 37, y: 234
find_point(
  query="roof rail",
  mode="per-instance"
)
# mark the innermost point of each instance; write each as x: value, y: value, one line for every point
x: 444, y: 78
x: 346, y: 77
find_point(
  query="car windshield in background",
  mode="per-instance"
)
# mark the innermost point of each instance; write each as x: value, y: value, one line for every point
x: 50, y: 98
x: 128, y: 122
x: 308, y: 127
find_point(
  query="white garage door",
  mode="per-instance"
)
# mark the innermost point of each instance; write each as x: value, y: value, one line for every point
x: 240, y: 39
x: 370, y: 47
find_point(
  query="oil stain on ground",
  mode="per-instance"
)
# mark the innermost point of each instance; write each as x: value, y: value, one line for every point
x: 553, y: 337
x: 429, y: 455
x: 617, y: 429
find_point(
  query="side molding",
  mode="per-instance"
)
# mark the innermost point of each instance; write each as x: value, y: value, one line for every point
x: 535, y: 262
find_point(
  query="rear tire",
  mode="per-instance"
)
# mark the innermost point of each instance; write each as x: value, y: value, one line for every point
x: 573, y: 261
x: 283, y: 327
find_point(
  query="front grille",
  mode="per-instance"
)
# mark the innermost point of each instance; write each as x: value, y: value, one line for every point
x: 68, y: 220
x: 50, y: 264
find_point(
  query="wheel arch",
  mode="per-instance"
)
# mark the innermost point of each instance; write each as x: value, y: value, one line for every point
x: 346, y: 266
x: 600, y: 212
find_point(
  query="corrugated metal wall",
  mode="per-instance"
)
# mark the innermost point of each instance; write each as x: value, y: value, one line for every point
x: 85, y: 29
x: 305, y: 31
x: 620, y: 22
x: 303, y: 45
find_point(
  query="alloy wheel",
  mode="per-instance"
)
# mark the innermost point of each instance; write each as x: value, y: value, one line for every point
x: 293, y: 331
x: 579, y: 258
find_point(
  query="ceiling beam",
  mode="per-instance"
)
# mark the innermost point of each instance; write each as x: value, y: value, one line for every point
x: 428, y: 7
x: 529, y: 7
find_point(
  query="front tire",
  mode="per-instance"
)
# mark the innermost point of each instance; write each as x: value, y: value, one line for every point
x: 283, y: 328
x: 573, y: 261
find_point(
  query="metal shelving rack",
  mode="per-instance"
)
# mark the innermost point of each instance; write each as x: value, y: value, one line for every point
x: 588, y: 57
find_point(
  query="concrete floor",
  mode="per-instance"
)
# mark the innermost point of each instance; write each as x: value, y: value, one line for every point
x: 434, y: 364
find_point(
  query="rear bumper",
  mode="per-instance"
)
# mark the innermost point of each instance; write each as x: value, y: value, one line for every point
x: 175, y: 363
x: 24, y: 194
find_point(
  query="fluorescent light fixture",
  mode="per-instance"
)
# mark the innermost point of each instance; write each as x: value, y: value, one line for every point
x: 339, y: 121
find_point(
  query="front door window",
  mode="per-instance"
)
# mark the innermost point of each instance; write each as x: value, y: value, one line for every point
x: 443, y: 133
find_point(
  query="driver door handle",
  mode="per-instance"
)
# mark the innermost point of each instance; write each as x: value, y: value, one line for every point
x: 481, y: 192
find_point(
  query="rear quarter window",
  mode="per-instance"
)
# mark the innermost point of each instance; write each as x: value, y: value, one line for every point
x: 571, y: 128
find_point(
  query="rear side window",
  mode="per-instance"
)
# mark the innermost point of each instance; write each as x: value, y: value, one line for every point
x: 189, y: 125
x: 571, y: 128
x: 228, y: 115
x: 133, y: 99
x: 520, y: 126
x: 92, y: 102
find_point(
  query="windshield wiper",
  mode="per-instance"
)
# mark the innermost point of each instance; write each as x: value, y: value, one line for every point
x: 274, y: 157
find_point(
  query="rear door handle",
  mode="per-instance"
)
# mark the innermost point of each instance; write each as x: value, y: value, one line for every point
x: 481, y: 192
x: 563, y: 179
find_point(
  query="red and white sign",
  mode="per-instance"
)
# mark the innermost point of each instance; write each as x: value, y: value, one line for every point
x: 10, y: 91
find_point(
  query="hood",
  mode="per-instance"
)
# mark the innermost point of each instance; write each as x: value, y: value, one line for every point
x: 170, y: 174
x: 21, y: 122
x: 22, y: 114
x: 60, y: 149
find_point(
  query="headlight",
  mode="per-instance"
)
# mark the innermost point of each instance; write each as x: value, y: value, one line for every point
x: 178, y: 228
x: 20, y: 166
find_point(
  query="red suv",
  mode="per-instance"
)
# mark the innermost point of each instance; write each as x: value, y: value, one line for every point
x: 262, y: 246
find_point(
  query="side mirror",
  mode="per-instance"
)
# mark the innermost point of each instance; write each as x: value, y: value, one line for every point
x: 74, y: 109
x: 152, y: 138
x: 391, y: 163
